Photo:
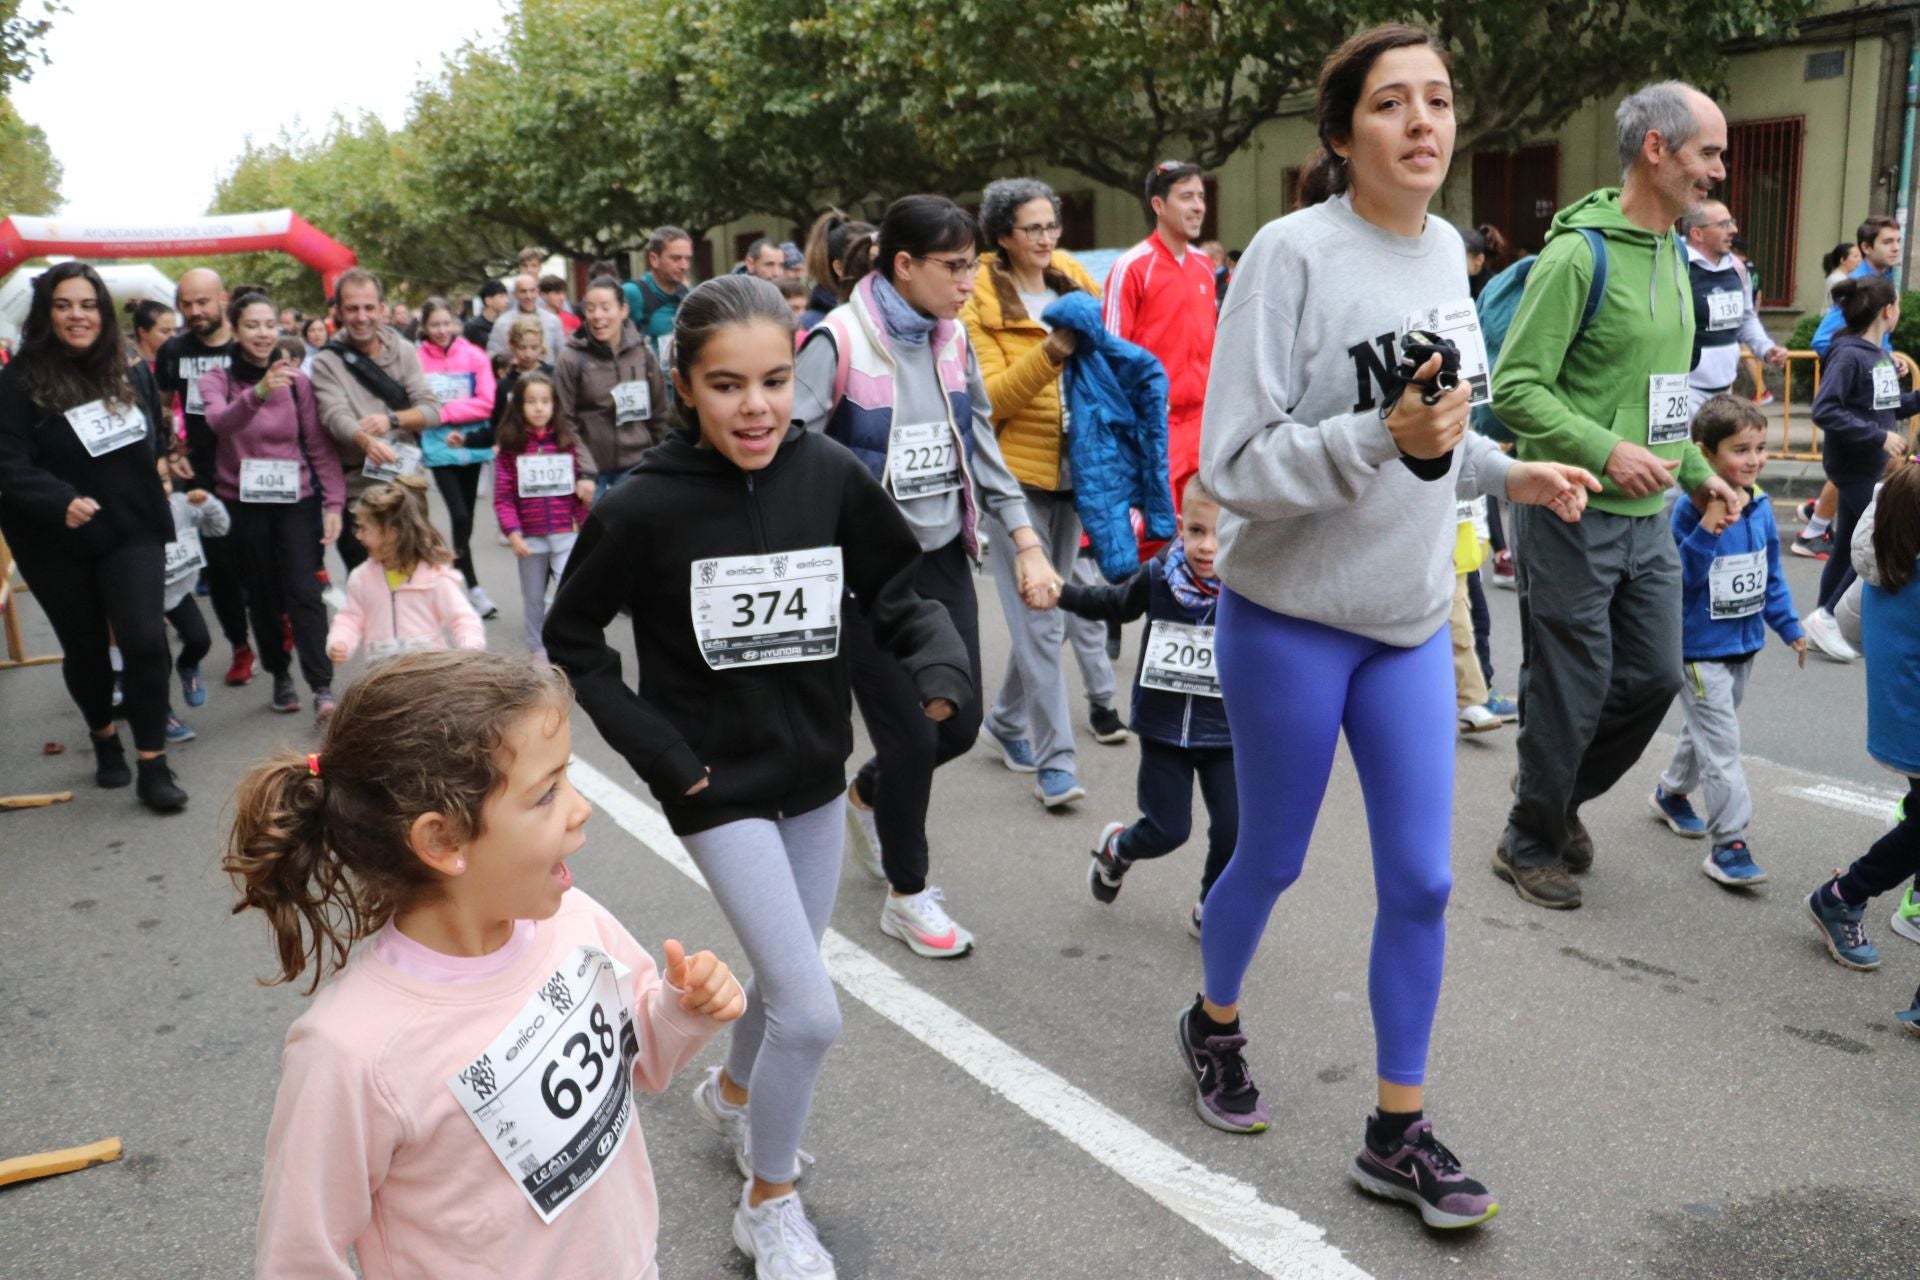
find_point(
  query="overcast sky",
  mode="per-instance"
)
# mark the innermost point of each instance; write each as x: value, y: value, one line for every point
x: 147, y: 104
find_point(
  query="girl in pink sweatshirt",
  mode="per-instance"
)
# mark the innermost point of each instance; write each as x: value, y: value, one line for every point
x: 404, y: 597
x: 542, y: 488
x: 458, y: 1100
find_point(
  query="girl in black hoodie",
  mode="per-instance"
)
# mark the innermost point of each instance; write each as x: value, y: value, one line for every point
x: 733, y: 545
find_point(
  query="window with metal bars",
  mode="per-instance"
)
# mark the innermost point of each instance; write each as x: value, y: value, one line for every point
x: 1763, y: 192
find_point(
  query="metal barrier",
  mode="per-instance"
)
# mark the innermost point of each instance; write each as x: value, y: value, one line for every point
x: 1812, y: 452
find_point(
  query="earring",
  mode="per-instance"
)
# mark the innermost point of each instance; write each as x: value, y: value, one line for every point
x: 459, y: 864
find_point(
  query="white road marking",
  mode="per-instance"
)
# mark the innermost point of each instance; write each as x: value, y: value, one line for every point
x: 1867, y: 804
x: 1273, y: 1239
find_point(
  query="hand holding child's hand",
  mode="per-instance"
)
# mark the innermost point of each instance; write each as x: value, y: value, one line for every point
x: 1800, y: 647
x: 519, y: 545
x: 709, y: 986
x: 197, y: 497
x: 1715, y: 517
x: 337, y: 652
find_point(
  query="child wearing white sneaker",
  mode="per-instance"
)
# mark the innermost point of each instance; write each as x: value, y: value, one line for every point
x: 1732, y: 589
x: 734, y: 543
x: 1177, y: 712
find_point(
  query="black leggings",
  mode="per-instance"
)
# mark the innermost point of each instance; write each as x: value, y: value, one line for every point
x: 227, y: 592
x: 1165, y: 793
x: 1894, y: 857
x: 281, y: 541
x: 85, y: 597
x: 912, y: 745
x: 192, y: 630
x: 459, y: 486
x: 1838, y: 574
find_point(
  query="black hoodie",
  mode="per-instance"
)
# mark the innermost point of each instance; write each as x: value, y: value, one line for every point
x: 772, y: 740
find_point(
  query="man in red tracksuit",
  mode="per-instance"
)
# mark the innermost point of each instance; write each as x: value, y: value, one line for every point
x: 1160, y: 296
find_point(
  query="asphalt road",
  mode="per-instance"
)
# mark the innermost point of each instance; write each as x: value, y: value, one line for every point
x: 1672, y: 1082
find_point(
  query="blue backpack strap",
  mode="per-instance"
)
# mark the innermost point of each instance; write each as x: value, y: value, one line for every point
x: 1597, y: 244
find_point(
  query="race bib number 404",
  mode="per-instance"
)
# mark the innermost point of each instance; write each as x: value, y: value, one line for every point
x: 764, y: 610
x: 269, y: 480
x: 553, y: 1094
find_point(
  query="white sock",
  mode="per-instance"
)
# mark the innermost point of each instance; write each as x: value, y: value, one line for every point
x: 1815, y: 527
x: 113, y: 657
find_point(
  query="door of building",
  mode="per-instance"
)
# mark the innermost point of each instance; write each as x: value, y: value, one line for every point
x: 1518, y: 193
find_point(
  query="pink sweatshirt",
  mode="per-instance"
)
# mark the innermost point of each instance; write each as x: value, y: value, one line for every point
x: 370, y: 1148
x: 461, y: 357
x: 415, y: 613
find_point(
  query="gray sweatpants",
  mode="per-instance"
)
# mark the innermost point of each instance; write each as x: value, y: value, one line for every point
x: 1600, y: 663
x: 775, y: 883
x: 1709, y: 752
x: 546, y: 564
x: 1033, y: 702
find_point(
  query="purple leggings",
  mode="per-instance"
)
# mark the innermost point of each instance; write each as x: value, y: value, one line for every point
x: 1290, y: 686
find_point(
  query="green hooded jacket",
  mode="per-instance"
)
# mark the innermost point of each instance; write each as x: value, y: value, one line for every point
x: 1569, y: 401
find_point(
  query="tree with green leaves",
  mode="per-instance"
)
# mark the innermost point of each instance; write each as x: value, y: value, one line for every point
x: 20, y: 39
x: 29, y: 175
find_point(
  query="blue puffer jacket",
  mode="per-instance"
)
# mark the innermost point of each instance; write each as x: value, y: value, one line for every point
x: 1117, y: 393
x: 1704, y: 637
x: 1173, y: 719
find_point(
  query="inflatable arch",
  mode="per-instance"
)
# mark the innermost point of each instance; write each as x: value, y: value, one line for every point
x: 284, y: 230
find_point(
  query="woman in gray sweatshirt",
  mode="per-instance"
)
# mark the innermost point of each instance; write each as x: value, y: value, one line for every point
x: 1336, y: 556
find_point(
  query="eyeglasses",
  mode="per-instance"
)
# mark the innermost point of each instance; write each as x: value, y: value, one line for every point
x: 1727, y: 224
x: 960, y: 267
x: 1039, y: 230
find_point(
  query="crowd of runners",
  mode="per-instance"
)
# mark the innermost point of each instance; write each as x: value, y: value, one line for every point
x: 780, y: 487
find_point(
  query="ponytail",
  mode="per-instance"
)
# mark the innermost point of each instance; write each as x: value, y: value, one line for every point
x: 1861, y: 299
x: 1323, y: 178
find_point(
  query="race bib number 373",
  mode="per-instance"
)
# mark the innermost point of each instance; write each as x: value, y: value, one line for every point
x: 553, y: 1094
x: 764, y: 610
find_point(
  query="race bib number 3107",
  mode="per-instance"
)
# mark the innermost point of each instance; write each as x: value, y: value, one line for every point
x: 553, y: 1094
x: 763, y: 610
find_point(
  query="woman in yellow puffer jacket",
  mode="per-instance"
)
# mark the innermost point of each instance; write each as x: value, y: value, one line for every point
x: 1021, y: 360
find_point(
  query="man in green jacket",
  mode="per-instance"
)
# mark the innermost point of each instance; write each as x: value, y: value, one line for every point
x: 1600, y: 599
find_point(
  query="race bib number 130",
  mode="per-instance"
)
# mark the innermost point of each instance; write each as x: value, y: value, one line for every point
x: 553, y: 1094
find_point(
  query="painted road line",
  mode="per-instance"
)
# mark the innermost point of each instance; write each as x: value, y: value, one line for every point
x: 1274, y: 1240
x: 1867, y: 804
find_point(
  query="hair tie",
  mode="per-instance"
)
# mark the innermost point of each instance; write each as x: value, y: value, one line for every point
x: 313, y: 764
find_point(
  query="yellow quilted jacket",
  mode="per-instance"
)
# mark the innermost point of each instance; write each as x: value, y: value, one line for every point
x: 1022, y: 381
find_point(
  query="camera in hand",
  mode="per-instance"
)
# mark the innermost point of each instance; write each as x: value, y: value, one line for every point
x: 1416, y: 348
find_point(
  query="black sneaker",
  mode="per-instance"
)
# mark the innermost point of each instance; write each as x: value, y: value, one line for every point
x: 1107, y: 725
x: 1223, y: 1091
x: 286, y: 698
x: 1107, y: 867
x: 1813, y: 548
x: 110, y: 763
x: 1415, y: 1169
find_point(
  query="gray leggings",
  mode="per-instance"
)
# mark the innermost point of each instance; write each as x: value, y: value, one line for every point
x: 775, y: 882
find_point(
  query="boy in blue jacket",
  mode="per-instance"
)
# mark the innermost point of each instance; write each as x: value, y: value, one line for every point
x: 1732, y: 590
x: 1177, y: 712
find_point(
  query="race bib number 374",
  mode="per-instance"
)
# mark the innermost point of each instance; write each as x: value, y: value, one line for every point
x: 764, y: 610
x: 553, y: 1094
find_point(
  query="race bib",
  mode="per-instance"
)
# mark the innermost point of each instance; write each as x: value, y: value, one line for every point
x: 406, y: 461
x: 185, y: 555
x: 632, y: 402
x: 448, y: 387
x: 1724, y: 311
x: 104, y: 427
x: 1474, y: 512
x: 1886, y: 387
x: 1459, y: 323
x: 1179, y: 659
x: 1669, y: 409
x: 1737, y: 585
x: 544, y: 475
x: 923, y: 460
x: 269, y: 480
x: 764, y: 610
x: 192, y: 369
x: 553, y: 1094
x: 378, y: 649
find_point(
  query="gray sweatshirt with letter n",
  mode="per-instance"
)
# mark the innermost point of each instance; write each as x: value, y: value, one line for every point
x: 1321, y: 520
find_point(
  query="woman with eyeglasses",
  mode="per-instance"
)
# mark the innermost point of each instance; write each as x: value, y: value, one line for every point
x: 890, y: 375
x: 1022, y: 358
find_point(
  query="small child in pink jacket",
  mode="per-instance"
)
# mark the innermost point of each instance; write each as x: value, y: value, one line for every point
x: 404, y: 597
x: 458, y: 1100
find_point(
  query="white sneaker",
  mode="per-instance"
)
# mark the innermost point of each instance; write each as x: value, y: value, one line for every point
x: 1475, y: 718
x: 721, y: 1116
x: 1823, y: 633
x: 482, y: 603
x: 924, y: 925
x: 863, y: 837
x: 1193, y: 920
x: 779, y: 1239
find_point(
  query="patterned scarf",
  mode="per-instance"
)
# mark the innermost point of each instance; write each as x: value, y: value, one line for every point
x: 1192, y: 592
x: 904, y: 324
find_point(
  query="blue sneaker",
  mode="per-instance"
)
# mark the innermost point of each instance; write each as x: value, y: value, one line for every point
x: 1910, y: 1020
x: 1677, y: 812
x: 192, y: 687
x: 1840, y: 928
x: 1732, y: 864
x: 177, y: 732
x: 1057, y: 787
x: 1504, y: 709
x: 1015, y: 753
